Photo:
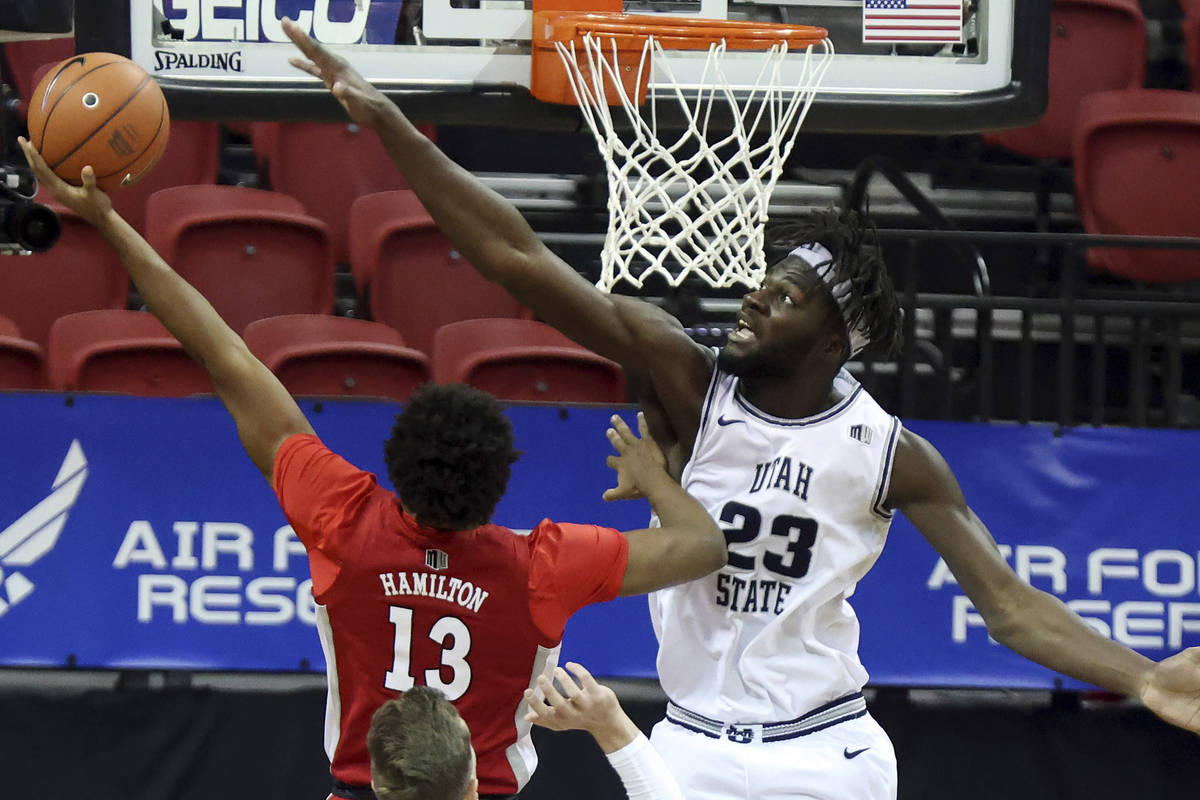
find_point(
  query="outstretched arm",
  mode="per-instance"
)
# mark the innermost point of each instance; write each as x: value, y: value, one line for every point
x: 1027, y: 620
x: 593, y: 707
x: 688, y: 545
x: 265, y: 413
x: 493, y: 236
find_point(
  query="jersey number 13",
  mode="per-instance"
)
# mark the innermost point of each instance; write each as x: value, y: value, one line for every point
x: 455, y: 639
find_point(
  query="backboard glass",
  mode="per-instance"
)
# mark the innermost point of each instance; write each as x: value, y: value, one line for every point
x: 461, y: 61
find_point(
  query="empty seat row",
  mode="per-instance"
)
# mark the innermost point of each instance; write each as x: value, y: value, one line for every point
x: 132, y: 353
x: 352, y: 163
x: 258, y: 254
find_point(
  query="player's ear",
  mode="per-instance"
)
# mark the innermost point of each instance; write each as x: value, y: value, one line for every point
x: 836, y: 339
x: 472, y: 790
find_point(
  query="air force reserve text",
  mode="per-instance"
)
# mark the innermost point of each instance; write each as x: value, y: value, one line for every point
x: 1148, y: 601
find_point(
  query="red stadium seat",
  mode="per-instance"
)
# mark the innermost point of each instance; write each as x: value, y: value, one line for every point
x: 120, y: 351
x: 1095, y: 46
x: 252, y: 253
x: 28, y: 60
x: 1137, y: 166
x: 1191, y: 37
x: 326, y: 166
x: 518, y: 359
x: 411, y: 274
x: 20, y: 359
x: 314, y: 354
x: 79, y: 273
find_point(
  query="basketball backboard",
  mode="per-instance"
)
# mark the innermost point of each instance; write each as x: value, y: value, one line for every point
x: 463, y: 61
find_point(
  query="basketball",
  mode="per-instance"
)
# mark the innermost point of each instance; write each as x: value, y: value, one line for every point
x: 100, y: 109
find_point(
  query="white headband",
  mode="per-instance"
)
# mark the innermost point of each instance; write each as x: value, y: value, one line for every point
x: 817, y: 256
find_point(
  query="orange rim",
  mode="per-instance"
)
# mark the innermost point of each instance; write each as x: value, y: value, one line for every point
x: 674, y: 33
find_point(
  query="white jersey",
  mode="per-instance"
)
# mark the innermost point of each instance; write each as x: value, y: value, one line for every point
x: 771, y: 636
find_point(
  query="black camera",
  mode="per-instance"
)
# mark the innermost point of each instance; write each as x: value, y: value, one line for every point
x: 25, y: 226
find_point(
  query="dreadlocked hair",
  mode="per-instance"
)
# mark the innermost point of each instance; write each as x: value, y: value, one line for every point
x: 450, y: 455
x: 850, y: 237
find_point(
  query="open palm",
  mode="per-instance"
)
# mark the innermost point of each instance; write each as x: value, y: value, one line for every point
x: 362, y: 101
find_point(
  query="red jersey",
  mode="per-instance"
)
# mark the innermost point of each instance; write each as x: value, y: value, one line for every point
x: 477, y: 614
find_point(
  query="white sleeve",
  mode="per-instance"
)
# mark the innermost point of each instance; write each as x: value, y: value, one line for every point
x: 643, y: 772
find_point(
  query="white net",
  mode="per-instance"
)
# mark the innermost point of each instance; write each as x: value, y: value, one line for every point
x: 693, y: 202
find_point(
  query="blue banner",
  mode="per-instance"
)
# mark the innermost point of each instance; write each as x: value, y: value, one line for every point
x: 1097, y: 517
x: 135, y: 532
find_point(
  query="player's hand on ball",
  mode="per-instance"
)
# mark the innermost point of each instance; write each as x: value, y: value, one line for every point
x: 362, y: 101
x: 1172, y: 689
x: 638, y: 460
x: 88, y: 200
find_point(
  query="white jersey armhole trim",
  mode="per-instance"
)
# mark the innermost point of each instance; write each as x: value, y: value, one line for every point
x: 522, y: 757
x: 885, y: 471
x: 710, y: 399
x: 333, y: 697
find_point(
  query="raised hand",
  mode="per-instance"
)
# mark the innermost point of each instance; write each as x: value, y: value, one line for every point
x: 638, y: 460
x: 88, y: 200
x: 362, y: 101
x: 1172, y: 689
x: 586, y: 705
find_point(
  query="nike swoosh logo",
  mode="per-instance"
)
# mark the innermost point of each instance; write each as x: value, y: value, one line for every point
x: 848, y: 753
x: 723, y: 422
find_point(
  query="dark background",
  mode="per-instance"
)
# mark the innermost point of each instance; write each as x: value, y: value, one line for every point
x: 200, y: 743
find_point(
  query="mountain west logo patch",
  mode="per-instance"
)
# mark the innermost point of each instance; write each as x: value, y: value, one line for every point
x: 35, y: 532
x: 860, y: 433
x: 436, y: 559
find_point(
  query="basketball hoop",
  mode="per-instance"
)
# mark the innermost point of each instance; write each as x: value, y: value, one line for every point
x: 692, y: 204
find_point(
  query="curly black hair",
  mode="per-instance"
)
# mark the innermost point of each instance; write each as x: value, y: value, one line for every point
x: 850, y: 236
x: 450, y: 456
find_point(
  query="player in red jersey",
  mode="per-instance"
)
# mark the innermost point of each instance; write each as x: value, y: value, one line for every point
x: 421, y: 590
x: 425, y: 591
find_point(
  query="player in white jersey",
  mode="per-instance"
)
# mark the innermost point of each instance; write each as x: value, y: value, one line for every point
x: 801, y: 468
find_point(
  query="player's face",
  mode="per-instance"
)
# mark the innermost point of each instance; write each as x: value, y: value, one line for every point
x: 780, y: 324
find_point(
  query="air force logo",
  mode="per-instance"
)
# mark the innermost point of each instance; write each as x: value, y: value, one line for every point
x: 35, y: 532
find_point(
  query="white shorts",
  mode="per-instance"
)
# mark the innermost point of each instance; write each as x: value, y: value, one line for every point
x: 852, y: 760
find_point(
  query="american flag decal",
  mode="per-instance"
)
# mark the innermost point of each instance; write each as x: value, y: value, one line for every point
x: 860, y: 433
x: 913, y: 21
x: 436, y: 559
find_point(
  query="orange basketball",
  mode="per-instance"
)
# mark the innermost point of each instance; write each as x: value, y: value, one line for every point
x: 99, y: 109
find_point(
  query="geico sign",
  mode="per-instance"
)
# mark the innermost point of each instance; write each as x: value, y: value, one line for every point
x: 259, y: 20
